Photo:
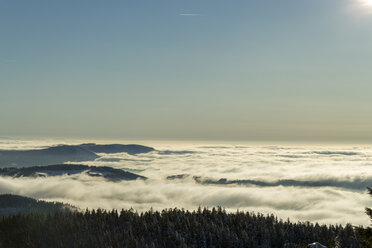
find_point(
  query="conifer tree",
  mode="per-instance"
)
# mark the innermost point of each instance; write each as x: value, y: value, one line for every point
x: 365, y: 234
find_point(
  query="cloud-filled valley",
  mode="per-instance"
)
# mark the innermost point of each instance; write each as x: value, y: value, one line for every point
x: 325, y: 184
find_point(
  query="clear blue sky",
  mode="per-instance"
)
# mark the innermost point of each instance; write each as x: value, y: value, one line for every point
x: 187, y: 69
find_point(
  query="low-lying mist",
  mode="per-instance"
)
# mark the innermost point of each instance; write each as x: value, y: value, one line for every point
x: 323, y: 184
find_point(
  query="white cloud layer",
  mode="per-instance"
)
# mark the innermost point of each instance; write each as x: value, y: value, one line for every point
x: 339, y: 166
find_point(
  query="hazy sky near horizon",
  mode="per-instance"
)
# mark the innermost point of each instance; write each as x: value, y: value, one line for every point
x: 187, y: 69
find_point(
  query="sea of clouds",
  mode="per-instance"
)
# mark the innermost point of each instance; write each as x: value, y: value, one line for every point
x: 325, y: 184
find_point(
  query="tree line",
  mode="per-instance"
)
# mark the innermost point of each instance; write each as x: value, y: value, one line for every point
x: 168, y: 228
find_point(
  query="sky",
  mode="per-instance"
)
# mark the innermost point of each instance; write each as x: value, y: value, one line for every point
x: 281, y: 70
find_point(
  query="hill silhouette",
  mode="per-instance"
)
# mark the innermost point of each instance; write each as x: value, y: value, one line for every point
x: 15, y: 204
x: 106, y: 172
x: 64, y: 153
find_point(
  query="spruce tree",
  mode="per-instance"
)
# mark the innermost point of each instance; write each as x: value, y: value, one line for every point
x: 365, y: 234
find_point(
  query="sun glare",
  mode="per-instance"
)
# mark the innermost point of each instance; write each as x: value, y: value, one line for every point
x: 367, y: 3
x: 364, y: 6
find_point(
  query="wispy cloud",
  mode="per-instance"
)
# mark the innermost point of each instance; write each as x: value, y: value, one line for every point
x: 189, y: 14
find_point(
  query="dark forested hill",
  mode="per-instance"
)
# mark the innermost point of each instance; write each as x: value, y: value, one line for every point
x: 70, y: 169
x: 169, y: 228
x: 14, y: 204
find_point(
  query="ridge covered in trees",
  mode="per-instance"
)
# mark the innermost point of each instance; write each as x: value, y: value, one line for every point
x: 168, y: 228
x: 15, y: 204
x: 106, y: 172
x: 365, y: 234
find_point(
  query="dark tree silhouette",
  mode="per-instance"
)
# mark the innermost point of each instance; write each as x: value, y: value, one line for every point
x: 365, y: 234
x: 168, y: 228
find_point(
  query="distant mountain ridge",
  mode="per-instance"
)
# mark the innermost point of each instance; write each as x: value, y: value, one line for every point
x: 65, y: 153
x: 117, y: 148
x: 106, y: 172
x: 357, y: 183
